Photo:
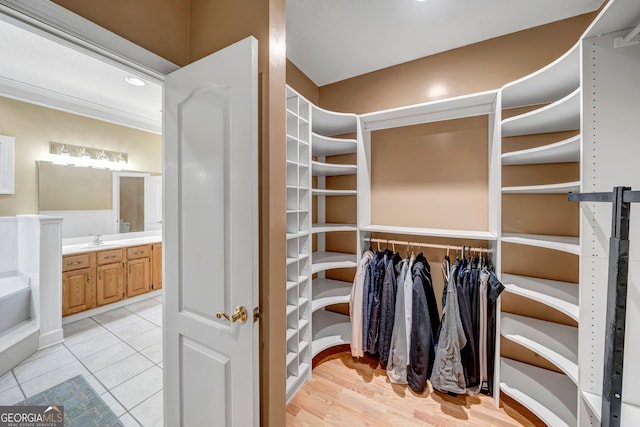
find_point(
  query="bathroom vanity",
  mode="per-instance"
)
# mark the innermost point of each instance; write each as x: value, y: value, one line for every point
x: 94, y: 275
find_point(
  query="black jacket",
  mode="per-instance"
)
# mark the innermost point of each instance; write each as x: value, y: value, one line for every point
x: 387, y: 308
x: 494, y: 289
x: 425, y: 322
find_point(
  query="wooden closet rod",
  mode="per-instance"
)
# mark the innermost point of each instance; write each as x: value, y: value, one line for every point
x: 426, y: 245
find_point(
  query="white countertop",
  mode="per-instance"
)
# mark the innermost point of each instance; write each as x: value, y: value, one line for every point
x: 112, y: 241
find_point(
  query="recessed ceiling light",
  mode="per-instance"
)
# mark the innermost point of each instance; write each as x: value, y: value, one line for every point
x: 135, y: 81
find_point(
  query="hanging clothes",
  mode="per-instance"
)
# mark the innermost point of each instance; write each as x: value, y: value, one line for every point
x: 367, y: 297
x: 376, y: 305
x: 356, y: 306
x: 494, y: 289
x: 398, y: 354
x: 387, y: 308
x: 482, y: 326
x: 469, y: 351
x: 448, y: 373
x: 424, y: 326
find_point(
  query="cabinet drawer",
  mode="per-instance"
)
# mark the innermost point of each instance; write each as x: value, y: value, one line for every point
x: 109, y: 257
x: 75, y: 262
x: 138, y: 252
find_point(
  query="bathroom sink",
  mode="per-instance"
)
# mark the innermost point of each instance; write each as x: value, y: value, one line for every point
x: 105, y: 245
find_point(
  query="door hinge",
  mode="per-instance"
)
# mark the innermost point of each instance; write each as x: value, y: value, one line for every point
x: 256, y: 314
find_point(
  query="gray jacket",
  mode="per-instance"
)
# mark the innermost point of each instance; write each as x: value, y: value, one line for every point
x: 448, y: 374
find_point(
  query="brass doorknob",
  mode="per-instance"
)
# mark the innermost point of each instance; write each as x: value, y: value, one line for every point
x: 240, y: 313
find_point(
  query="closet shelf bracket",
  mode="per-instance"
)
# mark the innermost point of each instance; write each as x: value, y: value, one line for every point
x: 621, y: 199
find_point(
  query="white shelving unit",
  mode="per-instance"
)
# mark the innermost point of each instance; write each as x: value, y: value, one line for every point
x: 561, y: 296
x: 564, y: 187
x: 564, y: 151
x: 329, y: 169
x: 549, y: 395
x: 329, y: 329
x: 327, y: 292
x: 559, y: 116
x: 313, y: 136
x: 298, y: 254
x: 432, y: 232
x: 327, y: 228
x: 556, y: 343
x: 555, y: 94
x: 559, y: 243
x: 325, y: 192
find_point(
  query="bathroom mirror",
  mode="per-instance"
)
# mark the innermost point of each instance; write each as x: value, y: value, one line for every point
x: 99, y: 201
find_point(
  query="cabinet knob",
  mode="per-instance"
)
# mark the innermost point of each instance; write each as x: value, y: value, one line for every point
x: 239, y: 313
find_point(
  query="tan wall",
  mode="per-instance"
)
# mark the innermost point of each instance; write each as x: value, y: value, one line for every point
x: 302, y: 84
x: 66, y: 188
x: 433, y: 175
x: 160, y: 26
x: 481, y: 66
x: 34, y: 127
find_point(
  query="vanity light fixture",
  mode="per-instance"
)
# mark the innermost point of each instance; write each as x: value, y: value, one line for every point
x: 63, y: 154
x: 134, y: 81
x: 77, y: 155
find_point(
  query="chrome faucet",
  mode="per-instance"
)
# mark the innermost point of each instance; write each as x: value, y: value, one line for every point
x: 97, y: 238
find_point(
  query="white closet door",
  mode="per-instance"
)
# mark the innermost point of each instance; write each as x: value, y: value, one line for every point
x: 211, y: 239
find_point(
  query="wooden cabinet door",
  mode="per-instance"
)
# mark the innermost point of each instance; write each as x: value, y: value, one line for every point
x: 138, y: 276
x: 110, y: 283
x: 156, y: 266
x: 78, y: 288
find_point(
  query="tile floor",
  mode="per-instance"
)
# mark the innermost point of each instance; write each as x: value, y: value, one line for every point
x: 118, y: 352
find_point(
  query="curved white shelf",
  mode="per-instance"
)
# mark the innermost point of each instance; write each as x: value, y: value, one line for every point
x: 558, y: 243
x: 559, y: 152
x: 291, y: 285
x: 330, y: 169
x: 327, y: 228
x: 555, y: 342
x: 330, y: 123
x: 327, y: 146
x: 549, y: 395
x: 561, y: 188
x: 298, y: 234
x: 321, y: 261
x: 324, y: 192
x: 329, y: 329
x: 548, y: 84
x: 327, y: 292
x: 560, y: 116
x: 432, y: 232
x: 561, y: 296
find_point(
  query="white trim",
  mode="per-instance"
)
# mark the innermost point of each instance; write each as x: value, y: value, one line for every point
x: 41, y: 96
x: 7, y: 164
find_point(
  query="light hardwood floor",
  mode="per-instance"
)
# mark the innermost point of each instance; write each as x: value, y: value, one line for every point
x: 356, y: 392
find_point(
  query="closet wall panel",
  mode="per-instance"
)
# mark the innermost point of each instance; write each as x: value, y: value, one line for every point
x: 549, y: 214
x: 538, y: 262
x: 431, y: 175
x: 540, y: 174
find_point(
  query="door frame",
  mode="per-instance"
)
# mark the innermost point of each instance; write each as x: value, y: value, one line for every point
x: 58, y: 24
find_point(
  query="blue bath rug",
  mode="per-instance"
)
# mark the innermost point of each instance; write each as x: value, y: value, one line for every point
x: 82, y: 405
